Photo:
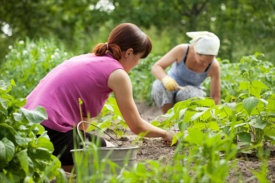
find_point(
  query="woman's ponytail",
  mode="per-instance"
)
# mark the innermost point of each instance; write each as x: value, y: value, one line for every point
x: 102, y: 48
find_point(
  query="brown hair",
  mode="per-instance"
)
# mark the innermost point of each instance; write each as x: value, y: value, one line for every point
x: 123, y: 37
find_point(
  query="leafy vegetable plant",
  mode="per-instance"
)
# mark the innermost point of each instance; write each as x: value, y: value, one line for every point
x: 25, y: 148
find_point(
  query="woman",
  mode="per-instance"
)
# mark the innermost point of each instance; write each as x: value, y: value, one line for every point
x: 92, y: 77
x: 191, y: 65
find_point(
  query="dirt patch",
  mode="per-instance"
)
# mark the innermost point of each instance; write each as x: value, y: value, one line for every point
x: 148, y: 112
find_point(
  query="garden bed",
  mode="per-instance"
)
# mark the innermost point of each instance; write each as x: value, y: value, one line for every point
x: 155, y: 149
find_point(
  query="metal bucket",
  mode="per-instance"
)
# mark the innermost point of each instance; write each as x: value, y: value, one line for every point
x: 124, y: 157
x: 92, y: 158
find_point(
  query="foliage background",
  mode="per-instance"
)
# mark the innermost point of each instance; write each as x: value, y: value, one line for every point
x: 244, y: 27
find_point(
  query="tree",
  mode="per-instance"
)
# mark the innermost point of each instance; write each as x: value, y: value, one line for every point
x: 243, y: 26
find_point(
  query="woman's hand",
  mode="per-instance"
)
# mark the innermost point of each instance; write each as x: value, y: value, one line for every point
x: 169, y: 83
x: 167, y: 138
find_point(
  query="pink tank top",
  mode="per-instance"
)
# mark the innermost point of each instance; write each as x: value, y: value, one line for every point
x: 86, y: 77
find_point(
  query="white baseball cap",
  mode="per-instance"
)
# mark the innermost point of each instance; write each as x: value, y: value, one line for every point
x: 205, y: 43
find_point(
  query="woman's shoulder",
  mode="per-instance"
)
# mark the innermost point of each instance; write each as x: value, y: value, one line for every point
x: 216, y: 63
x: 118, y: 76
x: 181, y: 47
x: 179, y: 50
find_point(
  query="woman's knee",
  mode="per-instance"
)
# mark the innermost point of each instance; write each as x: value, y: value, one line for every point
x: 189, y: 92
x: 160, y: 95
x: 158, y: 87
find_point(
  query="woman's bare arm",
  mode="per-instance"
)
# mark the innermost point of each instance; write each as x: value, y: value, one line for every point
x: 120, y: 83
x: 174, y: 55
x: 215, y: 88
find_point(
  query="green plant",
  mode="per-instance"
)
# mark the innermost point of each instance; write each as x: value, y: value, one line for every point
x: 110, y: 118
x: 208, y: 157
x: 253, y: 118
x: 29, y: 61
x: 26, y: 151
x: 250, y: 76
x: 199, y: 157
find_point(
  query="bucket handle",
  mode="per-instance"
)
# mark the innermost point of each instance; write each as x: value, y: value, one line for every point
x: 119, y: 144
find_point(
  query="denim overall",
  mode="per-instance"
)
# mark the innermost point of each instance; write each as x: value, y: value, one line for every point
x: 191, y: 80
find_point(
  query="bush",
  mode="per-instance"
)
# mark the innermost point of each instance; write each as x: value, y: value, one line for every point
x: 251, y: 73
x: 29, y: 61
x: 25, y: 148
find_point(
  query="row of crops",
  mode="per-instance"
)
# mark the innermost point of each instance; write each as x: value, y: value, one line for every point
x: 210, y: 136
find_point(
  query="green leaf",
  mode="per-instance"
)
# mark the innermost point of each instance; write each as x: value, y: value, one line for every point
x: 257, y: 87
x: 187, y: 116
x: 206, y: 115
x: 250, y: 103
x: 10, y: 149
x: 155, y: 123
x: 244, y: 85
x: 259, y: 84
x: 61, y: 176
x: 93, y: 126
x: 195, y: 136
x: 257, y: 123
x: 239, y: 125
x: 269, y: 131
x: 199, y: 126
x: 20, y: 140
x: 269, y: 137
x: 3, y: 178
x: 2, y: 152
x: 224, y: 111
x: 23, y: 160
x: 271, y: 103
x: 3, y: 103
x: 197, y: 115
x: 245, y: 137
x: 255, y: 92
x: 109, y: 107
x: 12, y: 82
x: 45, y: 143
x: 40, y: 153
x: 231, y: 105
x: 207, y: 102
x: 105, y: 125
x: 29, y: 179
x: 41, y: 129
x: 107, y: 118
x: 18, y: 116
x: 141, y: 169
x: 35, y: 116
x: 22, y: 128
x: 8, y: 127
x: 213, y: 126
x: 19, y: 102
x: 176, y: 137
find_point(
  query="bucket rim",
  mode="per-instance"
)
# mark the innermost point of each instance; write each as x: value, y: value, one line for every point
x: 116, y: 148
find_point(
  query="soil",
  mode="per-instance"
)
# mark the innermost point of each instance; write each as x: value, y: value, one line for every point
x: 154, y: 149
